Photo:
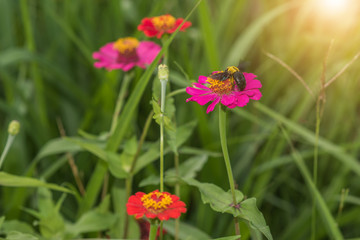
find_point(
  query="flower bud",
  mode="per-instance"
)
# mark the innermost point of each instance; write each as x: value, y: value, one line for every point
x: 163, y: 72
x: 14, y: 127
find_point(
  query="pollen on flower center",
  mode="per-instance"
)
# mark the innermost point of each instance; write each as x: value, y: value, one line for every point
x: 156, y: 200
x: 221, y: 87
x: 126, y: 46
x: 164, y: 22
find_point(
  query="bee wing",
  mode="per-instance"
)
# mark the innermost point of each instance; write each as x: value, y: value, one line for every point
x: 220, y: 76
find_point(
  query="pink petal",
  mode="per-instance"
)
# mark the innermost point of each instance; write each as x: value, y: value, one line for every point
x: 228, y: 99
x: 249, y: 76
x: 212, y: 105
x: 147, y: 51
x: 203, y: 99
x: 242, y: 100
x: 253, y: 84
x: 196, y: 91
x: 202, y: 79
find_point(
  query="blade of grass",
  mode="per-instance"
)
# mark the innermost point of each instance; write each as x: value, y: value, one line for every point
x: 309, y: 136
x: 329, y: 221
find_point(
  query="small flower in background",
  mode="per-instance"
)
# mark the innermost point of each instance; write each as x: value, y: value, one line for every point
x: 144, y: 226
x: 157, y: 26
x: 126, y: 53
x: 221, y: 87
x: 161, y: 205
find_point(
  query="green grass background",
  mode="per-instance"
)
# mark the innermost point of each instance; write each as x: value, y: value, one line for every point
x: 47, y: 73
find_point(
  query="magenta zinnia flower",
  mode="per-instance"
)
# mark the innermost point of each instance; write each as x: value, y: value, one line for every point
x: 224, y: 91
x: 125, y: 54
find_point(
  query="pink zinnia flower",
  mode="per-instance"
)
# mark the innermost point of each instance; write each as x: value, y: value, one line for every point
x: 126, y: 53
x: 157, y: 26
x: 224, y: 91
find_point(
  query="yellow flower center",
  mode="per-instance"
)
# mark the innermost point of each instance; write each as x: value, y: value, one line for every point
x: 156, y: 201
x: 126, y: 46
x: 221, y: 87
x: 164, y: 22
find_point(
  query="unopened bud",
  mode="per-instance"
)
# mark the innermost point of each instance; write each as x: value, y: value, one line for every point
x: 163, y: 72
x: 14, y: 127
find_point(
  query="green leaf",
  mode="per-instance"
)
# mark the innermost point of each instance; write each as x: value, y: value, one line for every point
x: 187, y: 169
x: 190, y: 167
x: 56, y: 146
x: 158, y: 114
x: 15, y: 235
x: 250, y: 212
x: 219, y: 200
x: 51, y: 222
x: 94, y: 220
x: 117, y: 163
x: 187, y: 231
x: 151, y: 154
x: 9, y: 180
x: 222, y: 201
x: 150, y: 180
x: 64, y: 145
x: 16, y: 225
x: 228, y: 238
x: 177, y: 137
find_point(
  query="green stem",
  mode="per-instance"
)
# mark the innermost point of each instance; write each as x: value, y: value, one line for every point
x: 177, y: 193
x: 162, y: 154
x: 176, y: 92
x: 223, y: 140
x: 153, y: 230
x: 128, y: 183
x: 120, y: 101
x: 162, y: 106
x: 8, y: 144
x: 315, y: 167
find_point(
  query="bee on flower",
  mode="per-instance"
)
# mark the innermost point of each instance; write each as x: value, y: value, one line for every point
x: 232, y: 88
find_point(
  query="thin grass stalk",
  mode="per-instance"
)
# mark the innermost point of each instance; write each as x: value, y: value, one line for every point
x: 71, y: 160
x: 120, y: 100
x: 223, y: 139
x: 38, y: 82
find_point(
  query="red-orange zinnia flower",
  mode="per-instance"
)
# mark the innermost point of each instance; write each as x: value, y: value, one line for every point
x: 157, y: 26
x: 161, y: 205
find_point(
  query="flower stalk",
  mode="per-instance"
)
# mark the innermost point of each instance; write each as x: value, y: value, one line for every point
x: 223, y: 140
x: 153, y: 230
x: 13, y: 130
x: 163, y: 74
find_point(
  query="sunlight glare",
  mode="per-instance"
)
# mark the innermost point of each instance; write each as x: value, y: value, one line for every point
x: 333, y: 6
